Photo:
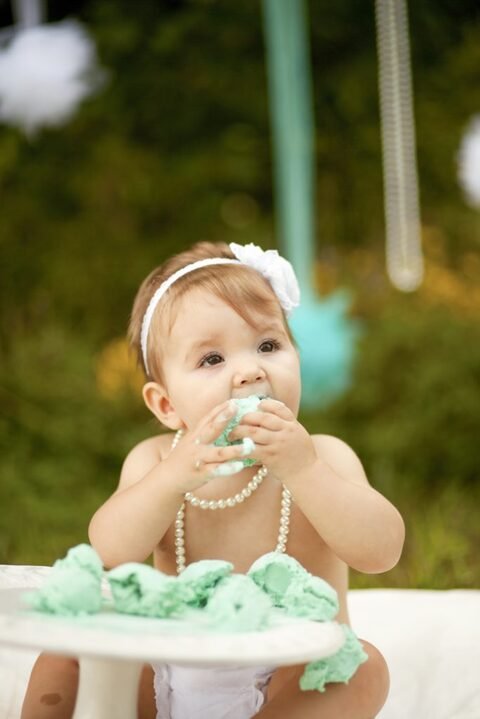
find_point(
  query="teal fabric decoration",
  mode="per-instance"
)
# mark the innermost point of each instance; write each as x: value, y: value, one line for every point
x: 324, y: 332
x: 326, y: 339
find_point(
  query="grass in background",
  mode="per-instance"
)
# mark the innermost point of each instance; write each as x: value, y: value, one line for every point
x: 442, y: 537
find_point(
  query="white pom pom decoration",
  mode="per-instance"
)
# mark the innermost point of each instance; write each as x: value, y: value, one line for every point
x: 469, y: 163
x: 45, y: 72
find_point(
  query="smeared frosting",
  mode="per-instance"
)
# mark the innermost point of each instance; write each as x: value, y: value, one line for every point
x: 244, y: 405
x: 340, y: 667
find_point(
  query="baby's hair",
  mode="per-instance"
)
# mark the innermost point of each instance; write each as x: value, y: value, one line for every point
x: 240, y: 286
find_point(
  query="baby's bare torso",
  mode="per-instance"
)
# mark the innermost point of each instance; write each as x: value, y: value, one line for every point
x: 242, y: 533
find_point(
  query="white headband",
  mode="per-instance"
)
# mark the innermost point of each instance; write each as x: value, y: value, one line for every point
x: 276, y: 269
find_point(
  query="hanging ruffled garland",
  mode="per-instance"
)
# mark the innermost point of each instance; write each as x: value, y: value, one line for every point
x: 46, y: 70
x: 469, y: 163
x: 404, y: 251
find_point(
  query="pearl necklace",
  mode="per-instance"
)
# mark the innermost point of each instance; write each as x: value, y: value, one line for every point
x: 223, y: 504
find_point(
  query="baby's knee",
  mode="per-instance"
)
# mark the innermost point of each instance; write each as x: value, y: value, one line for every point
x: 374, y: 681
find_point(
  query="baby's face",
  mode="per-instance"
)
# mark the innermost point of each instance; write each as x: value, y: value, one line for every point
x: 213, y: 354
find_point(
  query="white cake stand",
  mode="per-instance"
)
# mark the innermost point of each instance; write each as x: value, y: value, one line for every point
x: 112, y: 648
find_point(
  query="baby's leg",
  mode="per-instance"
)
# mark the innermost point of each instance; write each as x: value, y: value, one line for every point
x: 146, y: 707
x: 52, y: 688
x: 361, y: 698
x: 53, y: 685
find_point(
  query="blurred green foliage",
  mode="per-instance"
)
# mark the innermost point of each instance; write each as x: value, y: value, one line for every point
x: 413, y: 410
x: 176, y: 148
x: 413, y: 417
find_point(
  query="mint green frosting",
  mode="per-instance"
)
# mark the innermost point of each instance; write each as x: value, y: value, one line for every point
x: 229, y: 602
x: 83, y: 556
x: 141, y: 589
x: 238, y: 605
x: 73, y: 586
x: 291, y: 587
x: 244, y: 405
x: 198, y: 580
x: 340, y: 667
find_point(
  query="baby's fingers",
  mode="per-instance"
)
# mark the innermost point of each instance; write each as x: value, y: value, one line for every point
x: 232, y: 453
x: 232, y: 466
x: 216, y: 422
x: 276, y: 407
x: 222, y: 461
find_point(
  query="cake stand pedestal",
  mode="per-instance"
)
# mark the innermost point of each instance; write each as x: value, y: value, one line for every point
x: 107, y: 689
x: 112, y: 648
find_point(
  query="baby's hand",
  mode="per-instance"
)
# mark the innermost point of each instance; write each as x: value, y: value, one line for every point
x: 196, y: 460
x: 282, y: 444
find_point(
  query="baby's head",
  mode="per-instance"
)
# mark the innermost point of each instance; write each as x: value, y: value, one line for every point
x: 242, y: 287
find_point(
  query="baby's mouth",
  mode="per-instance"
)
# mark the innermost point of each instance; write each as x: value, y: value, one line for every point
x: 260, y: 396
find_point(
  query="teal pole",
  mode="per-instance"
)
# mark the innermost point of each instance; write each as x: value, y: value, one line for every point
x: 325, y: 334
x: 289, y: 79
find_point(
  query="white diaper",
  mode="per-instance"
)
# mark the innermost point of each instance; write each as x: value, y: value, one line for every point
x: 214, y: 693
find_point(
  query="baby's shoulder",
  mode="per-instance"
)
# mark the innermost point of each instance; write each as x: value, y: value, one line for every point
x: 340, y: 456
x: 143, y: 457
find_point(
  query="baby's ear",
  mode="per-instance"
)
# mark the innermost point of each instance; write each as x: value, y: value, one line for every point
x: 158, y: 402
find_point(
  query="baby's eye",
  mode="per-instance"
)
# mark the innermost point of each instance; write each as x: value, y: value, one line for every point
x: 211, y: 359
x: 269, y: 346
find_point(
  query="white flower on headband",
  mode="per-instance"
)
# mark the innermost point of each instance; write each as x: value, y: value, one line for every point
x: 276, y: 269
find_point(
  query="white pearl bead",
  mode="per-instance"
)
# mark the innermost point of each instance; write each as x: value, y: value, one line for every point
x: 231, y: 502
x: 221, y: 504
x: 203, y: 504
x: 239, y: 498
x: 251, y: 487
x: 212, y: 505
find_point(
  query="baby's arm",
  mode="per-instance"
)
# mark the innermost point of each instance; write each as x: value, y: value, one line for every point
x: 328, y: 483
x: 125, y: 526
x: 362, y: 526
x: 130, y: 524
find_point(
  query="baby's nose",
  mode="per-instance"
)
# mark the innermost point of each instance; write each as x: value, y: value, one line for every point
x: 249, y: 376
